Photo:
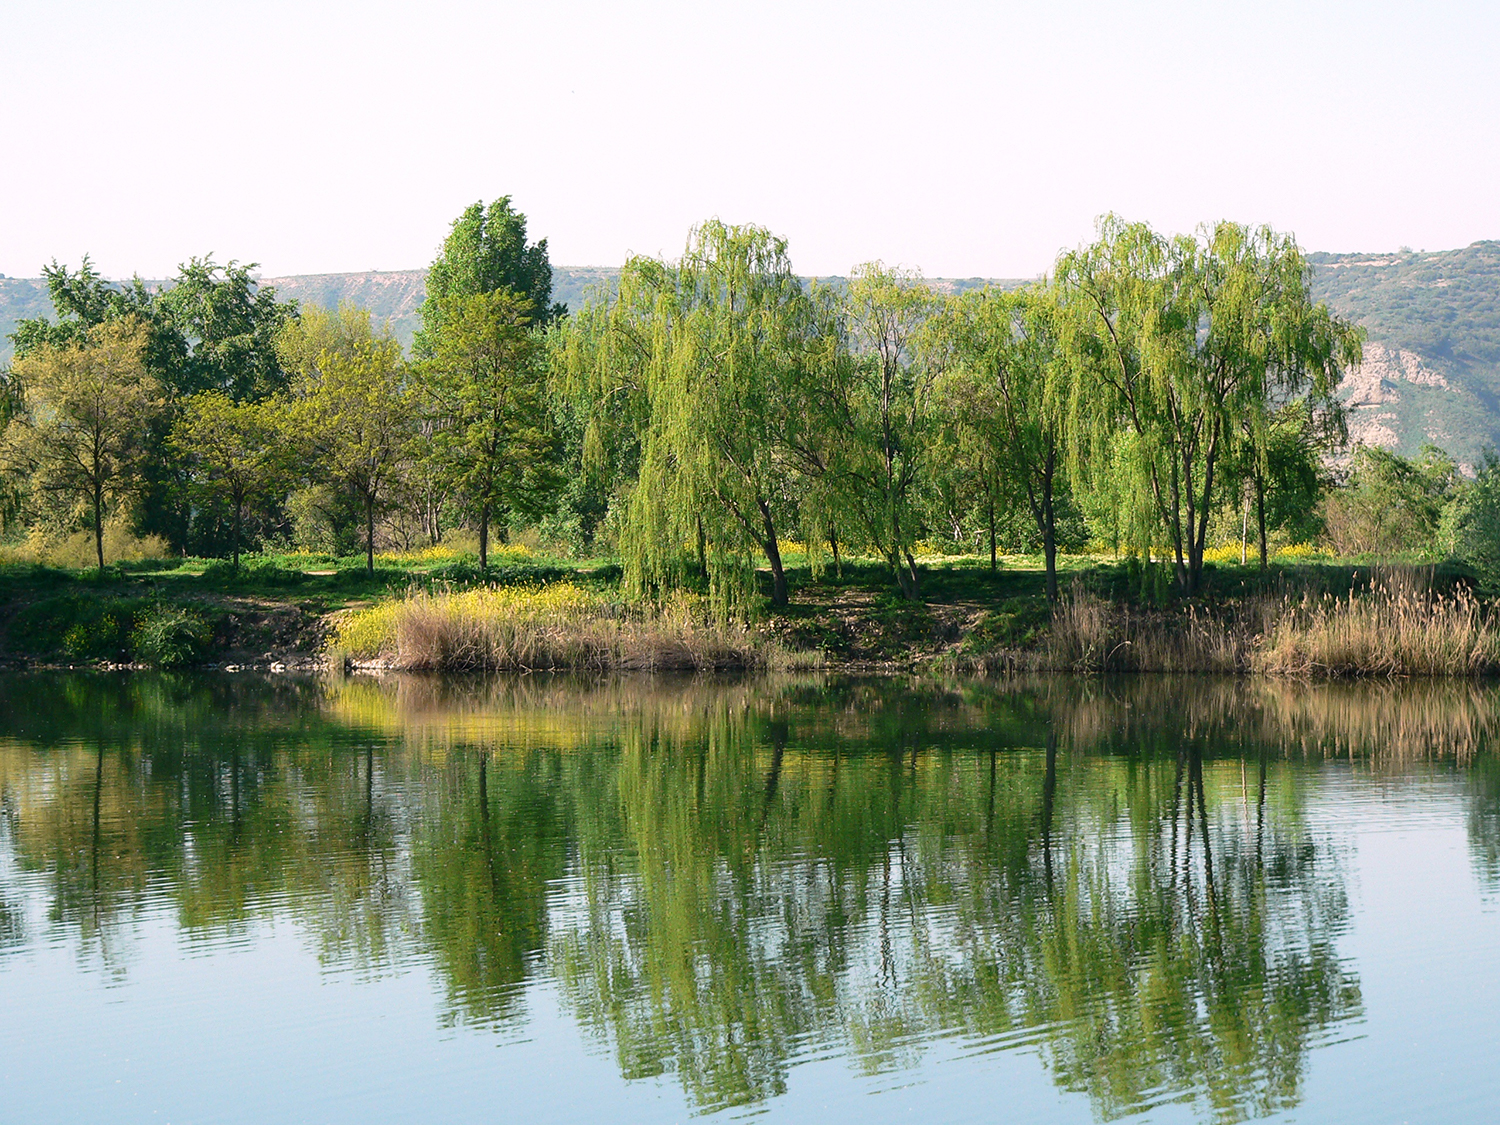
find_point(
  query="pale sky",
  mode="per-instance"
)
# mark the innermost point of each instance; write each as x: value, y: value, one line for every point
x: 963, y: 139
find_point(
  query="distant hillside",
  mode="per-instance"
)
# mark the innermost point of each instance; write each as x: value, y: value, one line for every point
x: 21, y: 298
x: 392, y: 296
x: 1431, y: 370
x: 1432, y: 361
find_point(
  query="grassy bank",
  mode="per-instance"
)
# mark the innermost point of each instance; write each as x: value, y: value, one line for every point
x: 275, y: 609
x: 561, y: 626
x: 435, y: 610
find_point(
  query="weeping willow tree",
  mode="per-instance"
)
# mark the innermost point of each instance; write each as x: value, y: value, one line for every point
x: 866, y: 435
x: 1182, y: 350
x: 687, y: 377
x: 1003, y: 371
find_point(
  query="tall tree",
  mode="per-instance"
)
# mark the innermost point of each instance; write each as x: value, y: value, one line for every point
x: 485, y: 389
x: 1004, y: 371
x: 84, y: 299
x: 230, y: 323
x: 235, y: 451
x: 703, y: 353
x: 1392, y: 505
x: 866, y: 429
x: 485, y: 251
x: 87, y: 405
x: 352, y: 405
x: 1181, y: 349
x: 1282, y: 477
x: 211, y: 328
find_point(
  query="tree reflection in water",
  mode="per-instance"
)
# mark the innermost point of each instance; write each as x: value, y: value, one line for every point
x: 724, y: 878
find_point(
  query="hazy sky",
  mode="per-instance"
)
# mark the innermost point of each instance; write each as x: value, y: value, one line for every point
x: 961, y: 138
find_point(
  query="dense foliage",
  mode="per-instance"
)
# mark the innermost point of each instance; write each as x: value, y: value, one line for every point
x: 1164, y: 396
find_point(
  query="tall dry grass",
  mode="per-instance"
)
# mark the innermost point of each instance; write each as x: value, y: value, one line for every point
x: 1400, y: 627
x: 1090, y: 634
x: 553, y: 628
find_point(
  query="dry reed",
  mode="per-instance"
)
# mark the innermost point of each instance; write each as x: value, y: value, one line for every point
x: 1398, y: 626
x: 553, y: 628
x: 1090, y: 634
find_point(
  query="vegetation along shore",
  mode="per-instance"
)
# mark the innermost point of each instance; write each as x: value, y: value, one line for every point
x: 1139, y: 462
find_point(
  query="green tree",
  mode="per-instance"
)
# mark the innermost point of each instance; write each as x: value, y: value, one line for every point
x: 704, y: 355
x: 1182, y: 348
x: 352, y: 406
x: 87, y: 406
x: 1283, y: 478
x: 230, y: 323
x: 486, y: 250
x: 234, y: 449
x: 211, y: 328
x: 485, y: 384
x: 1005, y: 370
x: 85, y: 299
x: 1478, y: 539
x: 1392, y: 505
x: 866, y: 431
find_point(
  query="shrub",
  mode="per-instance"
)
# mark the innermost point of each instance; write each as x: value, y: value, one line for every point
x: 169, y: 636
x: 1014, y: 623
x: 76, y: 627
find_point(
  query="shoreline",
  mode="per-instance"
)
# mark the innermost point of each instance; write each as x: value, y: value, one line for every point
x: 1333, y: 622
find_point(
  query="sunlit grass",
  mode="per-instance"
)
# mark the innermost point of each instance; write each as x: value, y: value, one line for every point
x: 551, y: 627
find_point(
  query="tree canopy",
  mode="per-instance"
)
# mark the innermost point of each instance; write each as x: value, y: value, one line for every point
x: 86, y: 407
x: 485, y: 251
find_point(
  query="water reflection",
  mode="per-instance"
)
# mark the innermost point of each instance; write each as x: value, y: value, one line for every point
x: 722, y: 879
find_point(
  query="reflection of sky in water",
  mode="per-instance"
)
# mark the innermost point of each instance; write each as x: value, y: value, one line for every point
x: 293, y: 1011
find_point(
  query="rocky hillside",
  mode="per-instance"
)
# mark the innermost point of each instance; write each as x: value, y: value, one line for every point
x: 1432, y: 361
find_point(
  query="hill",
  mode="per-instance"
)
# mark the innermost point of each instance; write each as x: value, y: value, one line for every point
x: 1432, y: 361
x: 1432, y: 358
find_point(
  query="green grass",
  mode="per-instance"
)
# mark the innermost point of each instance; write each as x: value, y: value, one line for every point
x: 51, y: 613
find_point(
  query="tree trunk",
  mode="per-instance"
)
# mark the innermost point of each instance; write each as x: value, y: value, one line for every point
x: 1049, y: 538
x: 910, y: 586
x: 370, y: 534
x: 702, y: 548
x: 779, y: 595
x: 833, y: 542
x: 1244, y: 525
x: 994, y: 558
x: 1049, y: 554
x: 903, y: 578
x: 99, y: 525
x: 1260, y: 516
x: 239, y: 507
x: 484, y: 536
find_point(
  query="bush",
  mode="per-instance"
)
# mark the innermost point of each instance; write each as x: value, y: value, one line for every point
x: 90, y: 628
x: 503, y: 574
x: 1014, y: 623
x: 76, y: 627
x: 169, y: 636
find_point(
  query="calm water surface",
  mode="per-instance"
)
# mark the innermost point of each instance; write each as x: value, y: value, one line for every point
x: 268, y: 900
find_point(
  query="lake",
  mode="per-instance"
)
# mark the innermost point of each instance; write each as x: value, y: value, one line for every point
x: 237, y: 898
